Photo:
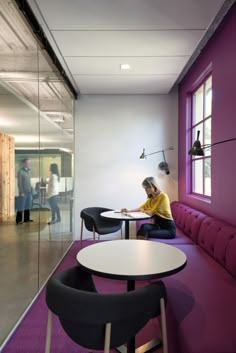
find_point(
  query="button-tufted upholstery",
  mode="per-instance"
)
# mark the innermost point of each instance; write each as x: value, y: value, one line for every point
x: 218, y: 239
x: 187, y: 219
x: 202, y: 310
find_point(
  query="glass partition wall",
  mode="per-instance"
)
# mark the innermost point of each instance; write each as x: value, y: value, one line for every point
x: 36, y: 123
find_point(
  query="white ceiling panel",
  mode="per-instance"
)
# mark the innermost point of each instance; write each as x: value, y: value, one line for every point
x: 165, y: 65
x: 128, y: 14
x: 127, y: 43
x: 138, y: 84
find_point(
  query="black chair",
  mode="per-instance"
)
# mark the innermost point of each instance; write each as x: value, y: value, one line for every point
x: 101, y: 321
x: 95, y: 223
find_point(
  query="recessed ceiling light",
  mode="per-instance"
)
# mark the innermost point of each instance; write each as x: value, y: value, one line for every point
x: 124, y: 66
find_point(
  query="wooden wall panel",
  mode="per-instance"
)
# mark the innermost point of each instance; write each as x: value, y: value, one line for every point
x: 7, y: 177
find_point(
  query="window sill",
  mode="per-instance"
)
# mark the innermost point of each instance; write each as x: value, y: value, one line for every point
x: 200, y: 198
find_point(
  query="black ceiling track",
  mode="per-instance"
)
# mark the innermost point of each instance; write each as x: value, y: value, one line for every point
x: 38, y: 31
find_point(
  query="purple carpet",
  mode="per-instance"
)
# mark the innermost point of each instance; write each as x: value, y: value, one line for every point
x: 30, y: 335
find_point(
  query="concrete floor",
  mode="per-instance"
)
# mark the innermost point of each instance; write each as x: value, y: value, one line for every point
x: 28, y: 254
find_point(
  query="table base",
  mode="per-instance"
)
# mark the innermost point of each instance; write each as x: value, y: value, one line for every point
x: 146, y: 347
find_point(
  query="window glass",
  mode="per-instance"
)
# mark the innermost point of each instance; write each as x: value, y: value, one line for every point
x: 208, y: 97
x: 202, y: 126
x: 207, y: 176
x: 198, y: 105
x: 207, y: 136
x: 197, y: 169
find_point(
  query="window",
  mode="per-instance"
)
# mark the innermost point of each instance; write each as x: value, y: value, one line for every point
x: 201, y: 120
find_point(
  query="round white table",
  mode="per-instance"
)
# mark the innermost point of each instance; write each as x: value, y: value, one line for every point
x: 132, y: 260
x: 126, y: 217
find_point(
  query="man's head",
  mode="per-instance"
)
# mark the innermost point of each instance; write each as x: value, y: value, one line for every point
x: 25, y: 163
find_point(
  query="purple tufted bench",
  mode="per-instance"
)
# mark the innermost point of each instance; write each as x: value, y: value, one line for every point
x: 201, y: 310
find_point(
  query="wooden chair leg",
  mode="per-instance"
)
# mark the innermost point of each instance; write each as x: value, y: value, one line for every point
x: 49, y: 333
x: 163, y: 326
x: 107, y: 338
x: 81, y: 234
x: 94, y: 238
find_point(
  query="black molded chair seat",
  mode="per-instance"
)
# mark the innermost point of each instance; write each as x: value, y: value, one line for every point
x: 94, y: 222
x: 100, y: 321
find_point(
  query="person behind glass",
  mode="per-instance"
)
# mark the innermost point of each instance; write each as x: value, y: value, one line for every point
x: 40, y: 184
x: 53, y: 191
x: 158, y: 206
x: 25, y: 193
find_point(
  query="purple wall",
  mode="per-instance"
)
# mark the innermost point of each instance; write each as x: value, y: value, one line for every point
x: 220, y: 53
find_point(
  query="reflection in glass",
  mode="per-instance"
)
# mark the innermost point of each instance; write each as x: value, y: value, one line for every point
x: 36, y: 114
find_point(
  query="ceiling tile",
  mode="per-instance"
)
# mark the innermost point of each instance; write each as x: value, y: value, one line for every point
x: 171, y: 65
x: 142, y: 84
x: 127, y: 43
x: 128, y: 14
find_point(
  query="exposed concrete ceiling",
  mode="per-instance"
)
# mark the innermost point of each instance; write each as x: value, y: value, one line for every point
x: 30, y: 86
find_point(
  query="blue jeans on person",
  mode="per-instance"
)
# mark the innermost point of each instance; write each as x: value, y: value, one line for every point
x: 56, y: 215
x: 162, y: 229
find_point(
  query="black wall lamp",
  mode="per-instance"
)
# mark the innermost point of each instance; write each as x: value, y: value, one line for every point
x: 163, y: 165
x: 198, y: 150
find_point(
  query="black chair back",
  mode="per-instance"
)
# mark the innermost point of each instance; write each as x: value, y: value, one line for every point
x: 93, y: 220
x: 83, y: 312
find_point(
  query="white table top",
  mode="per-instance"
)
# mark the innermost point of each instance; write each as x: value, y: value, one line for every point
x: 131, y: 259
x: 125, y: 216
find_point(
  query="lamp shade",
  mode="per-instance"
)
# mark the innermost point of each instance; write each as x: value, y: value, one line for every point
x: 164, y: 166
x: 143, y: 156
x: 196, y: 149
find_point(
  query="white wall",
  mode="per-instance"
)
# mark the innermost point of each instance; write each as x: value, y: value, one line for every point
x: 110, y: 133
